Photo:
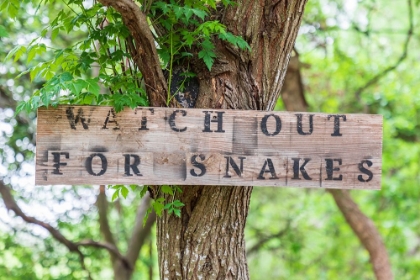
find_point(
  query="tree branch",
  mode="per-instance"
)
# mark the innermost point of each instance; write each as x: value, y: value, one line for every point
x: 5, y: 100
x: 140, y: 232
x: 107, y: 246
x: 403, y: 56
x: 366, y: 231
x: 144, y: 52
x: 292, y: 92
x: 361, y: 225
x: 267, y: 238
x: 102, y: 205
x: 11, y: 205
x: 137, y: 240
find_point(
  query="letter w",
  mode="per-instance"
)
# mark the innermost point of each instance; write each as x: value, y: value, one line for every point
x: 79, y: 117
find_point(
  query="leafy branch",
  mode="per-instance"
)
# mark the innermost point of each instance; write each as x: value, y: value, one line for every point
x: 159, y: 203
x: 68, y: 74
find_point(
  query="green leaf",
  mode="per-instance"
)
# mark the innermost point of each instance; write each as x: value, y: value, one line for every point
x: 200, y: 13
x: 188, y: 74
x: 188, y: 12
x: 227, y: 2
x: 167, y: 189
x: 242, y: 44
x: 37, y: 69
x: 3, y: 31
x: 54, y: 33
x: 115, y: 195
x: 188, y: 38
x: 11, y: 7
x: 66, y: 76
x: 207, y: 53
x: 186, y: 54
x: 158, y: 206
x: 22, y: 106
x: 164, y: 55
x: 143, y: 191
x: 124, y: 191
x: 178, y: 203
x: 177, y: 189
x: 88, y: 99
x: 93, y: 87
x: 164, y: 7
x: 149, y: 210
x: 35, y: 50
x: 17, y: 51
x: 178, y: 11
x: 177, y: 212
x: 77, y: 86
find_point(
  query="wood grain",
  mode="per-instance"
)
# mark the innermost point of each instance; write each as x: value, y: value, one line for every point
x: 94, y: 145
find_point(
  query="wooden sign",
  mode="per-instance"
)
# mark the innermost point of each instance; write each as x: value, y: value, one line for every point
x: 156, y: 146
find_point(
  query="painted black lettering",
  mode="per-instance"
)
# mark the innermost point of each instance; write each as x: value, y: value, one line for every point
x: 329, y: 166
x: 172, y: 120
x: 113, y: 115
x: 57, y: 161
x: 270, y: 170
x: 104, y: 164
x: 296, y: 169
x: 79, y: 117
x: 238, y: 170
x: 134, y: 166
x: 337, y: 124
x: 365, y: 171
x: 208, y: 120
x: 143, y: 124
x: 199, y: 165
x: 264, y: 125
x: 299, y: 125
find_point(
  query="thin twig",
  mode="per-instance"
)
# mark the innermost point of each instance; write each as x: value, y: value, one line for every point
x: 403, y: 56
x: 107, y: 246
x: 266, y: 239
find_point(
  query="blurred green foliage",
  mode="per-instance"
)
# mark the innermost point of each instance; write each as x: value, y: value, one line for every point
x: 291, y: 233
x: 342, y: 46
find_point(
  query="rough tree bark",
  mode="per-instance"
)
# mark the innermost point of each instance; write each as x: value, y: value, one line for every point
x: 294, y: 100
x: 208, y: 241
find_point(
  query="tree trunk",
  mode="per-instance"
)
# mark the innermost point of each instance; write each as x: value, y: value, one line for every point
x: 207, y: 242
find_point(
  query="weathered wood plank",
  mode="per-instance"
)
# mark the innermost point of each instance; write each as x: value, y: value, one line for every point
x: 94, y: 145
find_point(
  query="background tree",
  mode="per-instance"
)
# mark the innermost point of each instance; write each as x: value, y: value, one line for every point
x: 324, y: 47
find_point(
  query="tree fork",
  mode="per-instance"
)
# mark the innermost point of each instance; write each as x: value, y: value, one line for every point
x: 207, y: 242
